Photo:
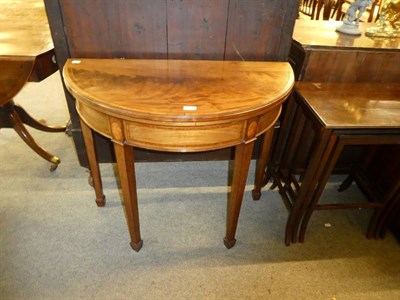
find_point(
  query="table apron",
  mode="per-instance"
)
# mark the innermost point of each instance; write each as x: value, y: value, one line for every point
x: 179, y: 137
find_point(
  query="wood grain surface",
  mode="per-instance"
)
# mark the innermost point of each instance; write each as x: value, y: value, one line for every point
x: 359, y: 105
x: 320, y: 54
x: 178, y: 91
x: 24, y: 30
x: 26, y: 46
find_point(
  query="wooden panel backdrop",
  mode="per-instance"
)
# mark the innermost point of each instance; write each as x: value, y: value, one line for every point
x: 168, y: 29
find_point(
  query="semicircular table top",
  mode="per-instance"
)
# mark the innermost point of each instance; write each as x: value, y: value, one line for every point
x: 178, y: 90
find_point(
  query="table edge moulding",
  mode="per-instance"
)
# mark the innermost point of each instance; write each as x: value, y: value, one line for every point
x: 178, y: 106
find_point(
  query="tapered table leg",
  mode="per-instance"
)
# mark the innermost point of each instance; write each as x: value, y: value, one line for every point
x: 93, y: 164
x: 126, y: 168
x: 262, y: 164
x: 240, y: 170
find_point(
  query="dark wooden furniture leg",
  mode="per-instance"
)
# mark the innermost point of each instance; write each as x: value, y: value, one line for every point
x: 28, y: 139
x: 14, y: 116
x: 126, y: 168
x: 278, y: 146
x: 328, y: 161
x: 332, y: 154
x: 391, y: 200
x: 93, y: 164
x: 29, y: 120
x: 346, y: 183
x: 306, y: 189
x: 240, y: 170
x: 262, y: 163
x: 351, y: 177
x: 387, y: 217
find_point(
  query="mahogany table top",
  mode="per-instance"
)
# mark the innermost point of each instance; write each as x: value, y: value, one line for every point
x: 179, y: 90
x: 353, y: 105
x: 26, y: 46
x: 24, y: 29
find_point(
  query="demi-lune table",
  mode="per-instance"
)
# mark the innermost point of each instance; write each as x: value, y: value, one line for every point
x: 178, y: 106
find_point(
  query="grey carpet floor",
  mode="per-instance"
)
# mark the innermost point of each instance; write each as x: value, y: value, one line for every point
x: 56, y: 244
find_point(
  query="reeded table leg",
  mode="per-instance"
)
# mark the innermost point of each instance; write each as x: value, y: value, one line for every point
x: 93, y: 164
x: 126, y: 168
x: 240, y: 170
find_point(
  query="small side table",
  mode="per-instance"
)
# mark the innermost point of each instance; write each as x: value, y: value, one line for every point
x: 332, y: 116
x: 178, y: 106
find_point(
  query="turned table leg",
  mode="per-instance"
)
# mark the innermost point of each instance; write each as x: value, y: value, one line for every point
x: 126, y: 168
x: 93, y: 164
x: 240, y: 170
